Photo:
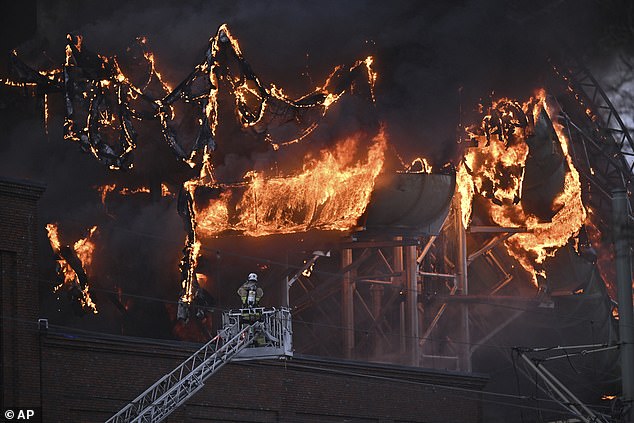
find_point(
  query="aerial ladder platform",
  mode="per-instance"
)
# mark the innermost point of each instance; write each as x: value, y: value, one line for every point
x: 247, y: 334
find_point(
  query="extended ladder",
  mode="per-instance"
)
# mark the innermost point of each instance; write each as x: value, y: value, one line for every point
x: 268, y: 331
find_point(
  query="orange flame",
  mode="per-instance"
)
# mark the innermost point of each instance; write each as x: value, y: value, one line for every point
x: 465, y: 189
x: 422, y: 163
x: 498, y: 171
x: 132, y: 191
x: 330, y: 193
x: 188, y: 282
x: 104, y: 190
x: 84, y: 249
x: 165, y: 191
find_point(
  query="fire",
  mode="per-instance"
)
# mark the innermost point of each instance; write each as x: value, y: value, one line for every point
x: 497, y: 173
x: 189, y: 288
x: 420, y: 165
x: 149, y: 56
x: 53, y: 236
x: 103, y: 104
x: 106, y: 189
x: 330, y: 193
x: 132, y: 191
x: 100, y: 111
x: 465, y: 189
x: 165, y: 191
x: 46, y: 113
x: 83, y: 249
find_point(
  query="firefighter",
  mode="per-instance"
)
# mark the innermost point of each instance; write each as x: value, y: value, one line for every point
x: 250, y: 292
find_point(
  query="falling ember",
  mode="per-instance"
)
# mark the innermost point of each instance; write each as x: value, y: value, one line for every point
x: 73, y: 265
x: 330, y: 193
x: 497, y: 172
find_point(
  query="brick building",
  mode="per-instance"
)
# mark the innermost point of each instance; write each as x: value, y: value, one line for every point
x: 20, y: 350
x: 79, y: 377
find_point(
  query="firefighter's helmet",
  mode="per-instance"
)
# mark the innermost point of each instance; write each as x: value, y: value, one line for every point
x: 252, y: 277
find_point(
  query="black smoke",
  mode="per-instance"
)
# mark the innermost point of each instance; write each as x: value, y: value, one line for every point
x: 436, y: 61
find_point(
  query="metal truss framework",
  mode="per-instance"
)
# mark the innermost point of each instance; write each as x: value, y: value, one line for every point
x: 602, y: 147
x: 394, y: 269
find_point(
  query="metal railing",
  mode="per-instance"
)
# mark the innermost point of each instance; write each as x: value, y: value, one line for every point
x: 267, y: 331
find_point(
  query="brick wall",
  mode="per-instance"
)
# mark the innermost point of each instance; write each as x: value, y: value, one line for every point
x: 90, y: 379
x: 19, y: 293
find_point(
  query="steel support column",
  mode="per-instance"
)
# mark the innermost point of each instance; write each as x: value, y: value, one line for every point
x: 347, y: 303
x: 624, y: 291
x: 464, y: 358
x: 397, y: 261
x: 412, y: 303
x: 376, y: 291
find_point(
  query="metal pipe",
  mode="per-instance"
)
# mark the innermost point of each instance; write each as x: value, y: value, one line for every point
x: 461, y: 256
x: 426, y: 248
x: 397, y: 261
x: 502, y: 284
x: 572, y: 396
x: 374, y: 282
x: 624, y: 294
x: 378, y: 276
x: 565, y: 401
x: 434, y: 322
x: 567, y: 347
x: 495, y: 331
x: 489, y: 246
x: 438, y: 275
x: 463, y: 286
x: 412, y: 303
x: 582, y: 353
x: 376, y: 293
x: 347, y: 303
x: 496, y: 229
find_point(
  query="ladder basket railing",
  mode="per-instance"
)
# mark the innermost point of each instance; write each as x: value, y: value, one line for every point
x: 268, y: 331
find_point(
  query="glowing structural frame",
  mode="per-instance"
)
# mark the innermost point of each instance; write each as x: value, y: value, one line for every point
x: 97, y: 92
